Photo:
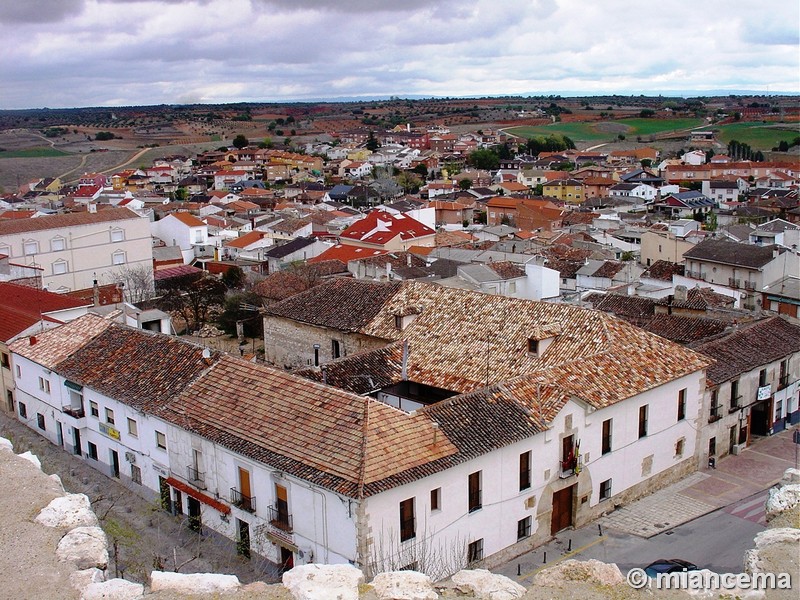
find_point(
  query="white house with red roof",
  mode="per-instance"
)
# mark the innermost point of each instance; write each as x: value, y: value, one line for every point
x: 250, y: 245
x: 225, y: 180
x: 385, y: 231
x: 183, y: 230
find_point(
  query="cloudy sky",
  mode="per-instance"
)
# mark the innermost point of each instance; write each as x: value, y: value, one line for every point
x: 64, y: 53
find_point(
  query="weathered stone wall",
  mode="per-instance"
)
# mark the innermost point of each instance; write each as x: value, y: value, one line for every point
x: 53, y: 548
x: 290, y: 344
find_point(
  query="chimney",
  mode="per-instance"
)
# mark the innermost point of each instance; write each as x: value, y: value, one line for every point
x: 32, y: 340
x: 680, y: 293
x: 91, y: 207
x: 404, y: 371
x: 95, y: 293
x: 408, y: 259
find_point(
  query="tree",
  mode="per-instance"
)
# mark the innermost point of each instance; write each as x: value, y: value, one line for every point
x: 240, y: 141
x: 422, y: 170
x: 137, y: 283
x: 240, y: 308
x: 711, y: 222
x: 234, y: 278
x: 465, y: 183
x: 485, y: 159
x: 647, y: 113
x: 372, y: 143
x: 410, y: 182
x: 646, y: 163
x: 192, y: 301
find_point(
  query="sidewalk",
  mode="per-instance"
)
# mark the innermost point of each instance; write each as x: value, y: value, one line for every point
x: 736, y: 477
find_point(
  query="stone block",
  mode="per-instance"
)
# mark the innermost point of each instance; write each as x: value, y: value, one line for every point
x: 113, y: 589
x: 72, y: 510
x: 404, y: 585
x: 323, y: 582
x: 84, y: 546
x: 81, y: 579
x: 782, y: 499
x: 589, y: 571
x: 29, y: 456
x: 5, y: 444
x: 488, y: 586
x: 193, y: 583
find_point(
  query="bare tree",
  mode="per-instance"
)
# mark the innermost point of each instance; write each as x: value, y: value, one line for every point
x: 437, y: 559
x: 137, y: 282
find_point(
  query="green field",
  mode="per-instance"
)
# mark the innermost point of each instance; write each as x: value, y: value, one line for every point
x: 43, y: 152
x: 600, y: 131
x: 759, y: 136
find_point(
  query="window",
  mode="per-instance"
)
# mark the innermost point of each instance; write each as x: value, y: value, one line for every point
x: 19, y: 371
x: 642, y: 421
x: 605, y: 489
x: 407, y: 525
x: 523, y: 528
x: 436, y: 499
x: 92, y: 451
x: 336, y: 350
x: 118, y: 258
x: 60, y: 267
x: 109, y: 416
x: 161, y: 440
x: 23, y: 410
x: 57, y: 244
x: 475, y: 551
x: 762, y: 378
x: 133, y: 428
x: 783, y: 378
x: 524, y: 470
x: 533, y: 346
x: 44, y: 385
x: 40, y: 421
x: 117, y: 235
x: 93, y: 408
x: 682, y: 405
x: 5, y: 360
x: 136, y: 474
x: 475, y: 501
x: 734, y: 395
x: 607, y: 429
x: 30, y: 247
x: 778, y: 409
x: 679, y: 446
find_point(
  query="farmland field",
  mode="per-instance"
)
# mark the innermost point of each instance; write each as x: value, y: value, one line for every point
x: 759, y: 136
x: 42, y: 152
x: 600, y: 131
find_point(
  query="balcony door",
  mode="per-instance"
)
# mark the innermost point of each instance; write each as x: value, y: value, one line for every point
x: 282, y: 503
x: 244, y: 483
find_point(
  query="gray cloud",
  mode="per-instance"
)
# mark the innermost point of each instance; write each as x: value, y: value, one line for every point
x: 39, y: 11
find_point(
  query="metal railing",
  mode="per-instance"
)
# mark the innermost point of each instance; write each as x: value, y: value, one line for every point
x: 77, y: 413
x: 280, y: 518
x: 247, y: 503
x: 196, y: 476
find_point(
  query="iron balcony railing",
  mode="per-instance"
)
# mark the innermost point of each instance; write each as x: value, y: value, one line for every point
x: 280, y: 518
x: 196, y: 476
x: 247, y: 503
x: 77, y: 413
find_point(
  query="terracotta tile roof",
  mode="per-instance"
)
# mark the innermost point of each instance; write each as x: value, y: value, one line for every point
x: 506, y: 269
x: 251, y: 237
x: 344, y: 304
x: 14, y: 321
x: 36, y: 301
x: 17, y: 214
x: 290, y: 225
x: 683, y: 330
x: 595, y: 357
x: 750, y: 347
x: 635, y: 309
x: 138, y: 367
x: 698, y: 299
x: 66, y: 220
x: 731, y: 253
x: 345, y: 253
x: 187, y: 219
x: 453, y: 238
x: 380, y: 227
x: 284, y: 284
x: 53, y: 346
x: 609, y: 269
x: 663, y: 270
x: 327, y: 436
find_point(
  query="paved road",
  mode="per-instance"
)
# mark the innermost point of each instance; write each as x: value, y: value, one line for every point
x: 716, y: 541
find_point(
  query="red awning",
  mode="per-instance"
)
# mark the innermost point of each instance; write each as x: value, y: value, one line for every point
x: 215, y: 504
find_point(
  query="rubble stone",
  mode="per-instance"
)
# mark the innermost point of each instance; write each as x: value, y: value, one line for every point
x: 113, y: 589
x: 72, y: 510
x: 404, y: 585
x: 85, y: 546
x: 193, y: 583
x: 315, y: 582
x: 488, y: 586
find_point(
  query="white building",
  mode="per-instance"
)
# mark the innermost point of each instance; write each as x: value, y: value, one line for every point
x: 72, y: 250
x: 384, y: 466
x: 183, y: 230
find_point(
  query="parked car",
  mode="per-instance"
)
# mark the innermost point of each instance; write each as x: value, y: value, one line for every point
x: 669, y: 565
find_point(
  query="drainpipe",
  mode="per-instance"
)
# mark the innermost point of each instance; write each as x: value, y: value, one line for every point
x: 404, y: 372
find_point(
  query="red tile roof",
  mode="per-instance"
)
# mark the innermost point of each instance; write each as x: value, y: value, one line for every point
x: 66, y: 220
x: 188, y: 219
x: 380, y: 227
x: 345, y: 253
x: 248, y: 238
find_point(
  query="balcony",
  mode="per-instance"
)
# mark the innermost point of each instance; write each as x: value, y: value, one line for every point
x: 197, y: 478
x: 783, y: 382
x: 736, y: 404
x: 568, y: 467
x: 734, y: 283
x: 75, y: 413
x: 750, y: 286
x: 280, y: 518
x: 714, y: 415
x: 244, y: 502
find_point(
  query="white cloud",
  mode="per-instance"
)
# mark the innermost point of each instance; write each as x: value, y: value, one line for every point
x: 101, y: 52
